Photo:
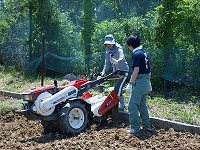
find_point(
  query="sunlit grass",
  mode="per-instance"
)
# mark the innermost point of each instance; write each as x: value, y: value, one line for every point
x: 15, y: 81
x: 9, y: 104
x: 171, y: 110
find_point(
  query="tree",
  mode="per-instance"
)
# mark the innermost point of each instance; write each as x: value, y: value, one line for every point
x: 177, y: 37
x: 13, y: 32
x: 88, y: 25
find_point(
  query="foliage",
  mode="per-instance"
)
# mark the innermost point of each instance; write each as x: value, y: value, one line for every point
x: 169, y: 31
x: 23, y: 23
x: 87, y: 30
x: 11, y: 32
x: 48, y: 19
x: 178, y: 36
x: 171, y: 110
x: 74, y: 9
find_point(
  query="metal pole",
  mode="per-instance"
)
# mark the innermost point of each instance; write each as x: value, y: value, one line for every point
x: 42, y: 64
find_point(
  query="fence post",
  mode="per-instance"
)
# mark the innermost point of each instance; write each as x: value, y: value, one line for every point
x: 42, y: 64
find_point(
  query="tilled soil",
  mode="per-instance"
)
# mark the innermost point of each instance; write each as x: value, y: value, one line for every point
x: 16, y: 132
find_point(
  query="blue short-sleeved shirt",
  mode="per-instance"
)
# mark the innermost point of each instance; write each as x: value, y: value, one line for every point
x: 141, y: 59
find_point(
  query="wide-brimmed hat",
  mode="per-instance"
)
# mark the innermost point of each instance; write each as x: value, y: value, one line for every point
x: 109, y: 39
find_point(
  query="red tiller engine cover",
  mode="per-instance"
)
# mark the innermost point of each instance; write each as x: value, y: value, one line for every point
x: 53, y: 89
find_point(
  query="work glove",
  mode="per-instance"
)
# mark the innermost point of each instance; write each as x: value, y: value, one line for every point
x: 99, y: 77
x: 111, y: 53
x: 114, y: 61
x: 150, y: 88
x: 102, y: 74
x: 129, y: 88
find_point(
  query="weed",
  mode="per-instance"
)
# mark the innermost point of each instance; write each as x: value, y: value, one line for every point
x: 171, y: 110
x: 10, y: 105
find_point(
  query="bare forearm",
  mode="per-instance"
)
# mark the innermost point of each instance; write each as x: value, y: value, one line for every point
x: 134, y: 74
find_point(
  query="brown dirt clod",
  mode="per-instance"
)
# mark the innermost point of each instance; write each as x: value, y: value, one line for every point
x: 16, y: 132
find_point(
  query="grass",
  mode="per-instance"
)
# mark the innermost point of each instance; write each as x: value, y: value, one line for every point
x: 182, y: 107
x: 9, y: 104
x: 168, y: 109
x: 16, y: 81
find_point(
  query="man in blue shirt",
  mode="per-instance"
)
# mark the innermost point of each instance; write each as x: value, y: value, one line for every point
x: 138, y: 86
x: 115, y: 57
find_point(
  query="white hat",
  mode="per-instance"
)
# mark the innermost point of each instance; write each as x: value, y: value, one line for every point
x: 109, y: 39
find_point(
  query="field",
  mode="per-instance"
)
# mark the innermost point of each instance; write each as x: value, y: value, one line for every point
x: 16, y: 132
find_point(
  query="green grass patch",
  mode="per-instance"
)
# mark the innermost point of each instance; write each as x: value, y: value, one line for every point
x: 18, y: 81
x: 169, y: 109
x: 10, y: 105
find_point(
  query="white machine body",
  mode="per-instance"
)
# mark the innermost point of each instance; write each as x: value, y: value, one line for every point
x: 46, y: 102
x: 95, y: 103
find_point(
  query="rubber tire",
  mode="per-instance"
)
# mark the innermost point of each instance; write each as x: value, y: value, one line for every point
x: 50, y: 127
x: 68, y: 123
